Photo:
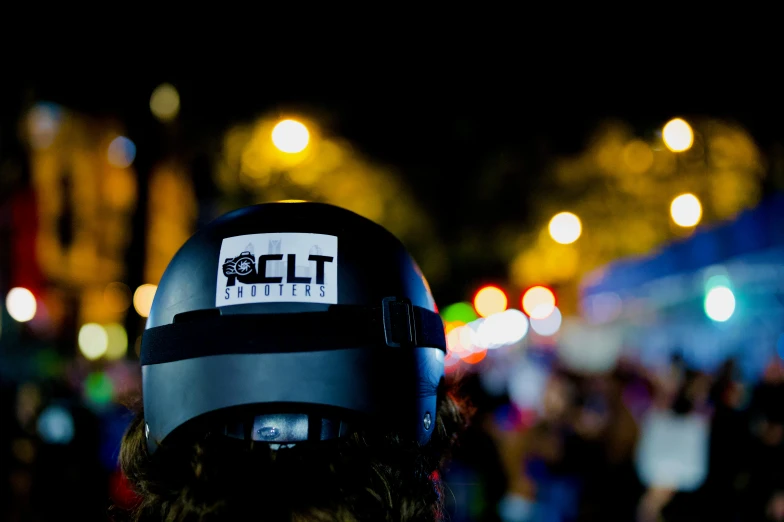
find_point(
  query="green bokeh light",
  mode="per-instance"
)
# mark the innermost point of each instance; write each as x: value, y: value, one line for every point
x: 98, y: 388
x: 462, y: 312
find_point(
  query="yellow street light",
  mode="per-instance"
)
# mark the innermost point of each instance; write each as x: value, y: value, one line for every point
x: 93, y: 341
x: 565, y: 228
x: 21, y: 304
x: 290, y: 136
x: 678, y: 135
x: 686, y: 210
x: 165, y: 102
x: 142, y: 299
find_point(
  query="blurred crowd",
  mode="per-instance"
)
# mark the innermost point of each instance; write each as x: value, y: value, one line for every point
x: 553, y: 446
x: 636, y: 445
x: 59, y: 446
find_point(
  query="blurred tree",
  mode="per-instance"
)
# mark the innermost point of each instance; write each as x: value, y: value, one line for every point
x: 621, y: 187
x: 252, y: 170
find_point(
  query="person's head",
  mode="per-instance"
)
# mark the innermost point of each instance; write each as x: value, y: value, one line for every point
x: 292, y: 369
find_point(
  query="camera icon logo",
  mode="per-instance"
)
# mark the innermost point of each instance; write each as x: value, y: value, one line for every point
x: 241, y: 268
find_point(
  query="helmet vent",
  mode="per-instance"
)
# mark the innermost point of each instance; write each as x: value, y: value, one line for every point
x: 196, y: 315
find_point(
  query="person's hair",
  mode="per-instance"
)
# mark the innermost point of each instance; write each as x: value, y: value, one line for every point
x: 371, y: 475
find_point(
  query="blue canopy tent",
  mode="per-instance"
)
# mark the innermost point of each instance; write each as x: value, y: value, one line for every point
x: 659, y: 298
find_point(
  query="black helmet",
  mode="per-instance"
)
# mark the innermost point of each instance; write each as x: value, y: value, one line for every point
x: 287, y: 322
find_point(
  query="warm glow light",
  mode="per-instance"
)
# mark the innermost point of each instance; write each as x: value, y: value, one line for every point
x: 490, y: 300
x: 686, y: 210
x: 117, y: 297
x: 117, y: 345
x: 638, y: 156
x: 454, y: 342
x: 21, y: 304
x: 290, y: 136
x: 142, y: 299
x: 93, y: 341
x: 565, y: 228
x: 538, y: 302
x: 451, y: 325
x: 165, y: 102
x: 474, y: 357
x: 677, y: 135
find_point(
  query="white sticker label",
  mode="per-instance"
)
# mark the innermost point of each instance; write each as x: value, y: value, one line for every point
x: 284, y: 267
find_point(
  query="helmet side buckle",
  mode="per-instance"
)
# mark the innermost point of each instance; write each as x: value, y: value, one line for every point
x: 399, y: 324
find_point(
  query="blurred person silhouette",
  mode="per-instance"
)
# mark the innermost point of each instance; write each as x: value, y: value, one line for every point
x: 7, y: 419
x: 542, y: 485
x: 54, y: 464
x: 673, y: 452
x: 764, y: 460
x: 292, y: 369
x: 729, y: 443
x: 608, y: 435
x: 476, y: 480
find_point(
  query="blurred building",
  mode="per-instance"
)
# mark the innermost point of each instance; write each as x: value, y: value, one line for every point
x: 70, y: 228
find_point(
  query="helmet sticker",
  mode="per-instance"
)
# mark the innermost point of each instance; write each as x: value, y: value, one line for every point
x: 278, y: 268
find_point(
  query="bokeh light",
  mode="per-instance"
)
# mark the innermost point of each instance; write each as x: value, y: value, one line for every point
x: 142, y: 299
x: 117, y: 345
x: 56, y: 425
x: 474, y: 357
x: 93, y: 341
x: 565, y: 228
x: 502, y: 329
x: 678, y: 135
x: 549, y: 325
x: 720, y: 304
x: 498, y: 330
x: 538, y: 302
x: 122, y: 152
x: 638, y: 156
x: 462, y: 312
x: 451, y: 325
x: 165, y: 102
x: 43, y: 124
x: 490, y: 300
x: 122, y: 492
x: 686, y: 210
x: 99, y: 388
x: 21, y: 304
x: 290, y: 136
x: 453, y: 343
